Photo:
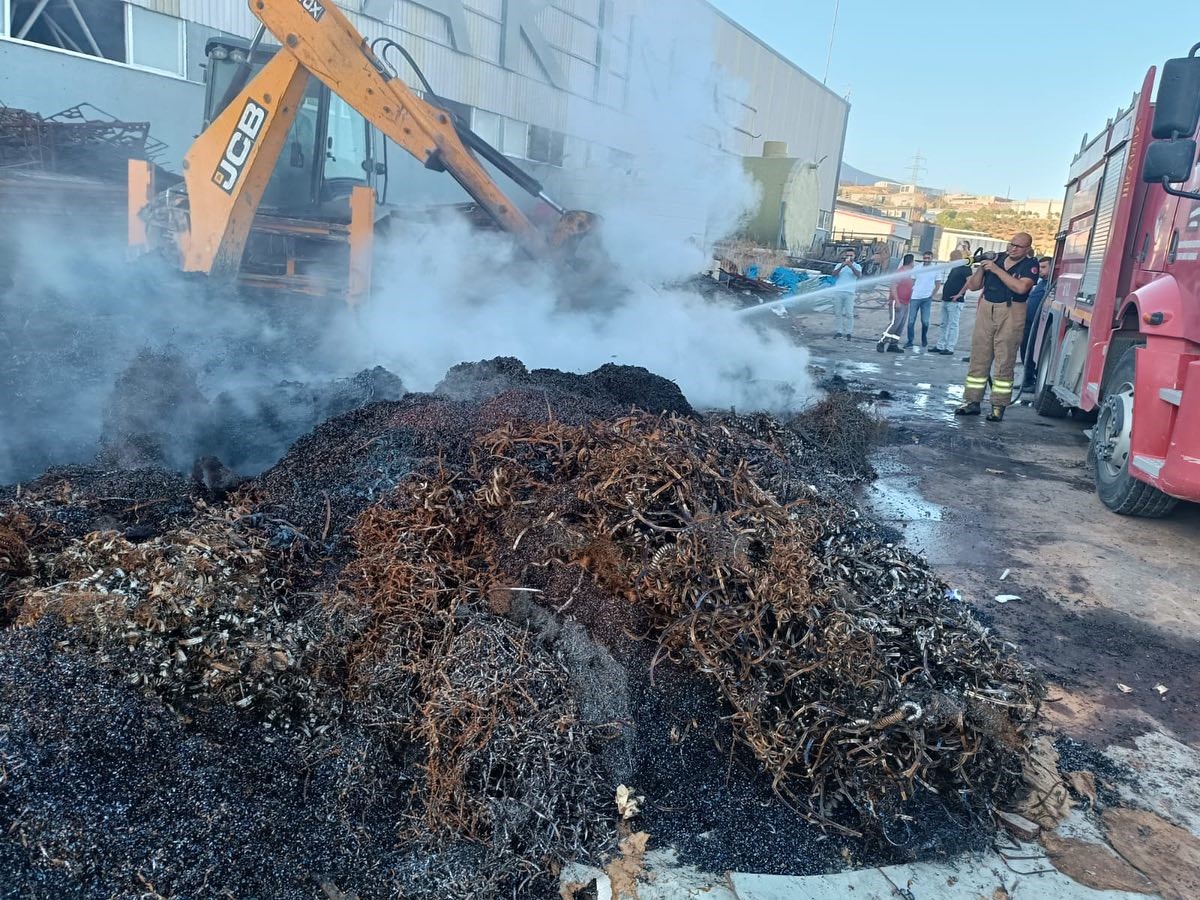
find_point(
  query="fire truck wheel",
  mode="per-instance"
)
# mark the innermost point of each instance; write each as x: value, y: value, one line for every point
x: 1044, y: 401
x: 1110, y: 450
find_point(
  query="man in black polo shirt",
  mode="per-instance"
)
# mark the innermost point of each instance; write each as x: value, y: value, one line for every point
x: 953, y: 293
x: 999, y: 325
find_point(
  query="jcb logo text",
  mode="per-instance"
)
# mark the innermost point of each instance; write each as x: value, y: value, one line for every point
x: 241, y: 143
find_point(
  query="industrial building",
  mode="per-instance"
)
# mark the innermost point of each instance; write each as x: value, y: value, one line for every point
x: 551, y: 84
x: 853, y: 222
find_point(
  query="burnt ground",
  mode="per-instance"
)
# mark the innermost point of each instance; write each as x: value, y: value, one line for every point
x: 1105, y: 599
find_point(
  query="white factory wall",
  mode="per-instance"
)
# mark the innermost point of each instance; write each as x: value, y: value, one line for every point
x: 588, y: 46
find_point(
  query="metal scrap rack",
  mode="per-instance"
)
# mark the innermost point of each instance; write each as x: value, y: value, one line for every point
x: 80, y: 140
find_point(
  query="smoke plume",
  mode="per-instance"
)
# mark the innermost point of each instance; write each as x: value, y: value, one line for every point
x: 674, y: 190
x: 76, y: 314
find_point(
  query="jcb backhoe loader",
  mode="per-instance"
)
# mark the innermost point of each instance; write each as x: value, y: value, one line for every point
x: 280, y: 188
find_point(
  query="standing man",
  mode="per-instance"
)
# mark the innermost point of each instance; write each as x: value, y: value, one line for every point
x: 846, y: 277
x: 999, y: 325
x: 925, y: 284
x: 954, y: 293
x: 900, y: 293
x: 1034, y: 308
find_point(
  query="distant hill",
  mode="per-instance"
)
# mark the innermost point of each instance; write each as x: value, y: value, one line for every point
x: 851, y: 175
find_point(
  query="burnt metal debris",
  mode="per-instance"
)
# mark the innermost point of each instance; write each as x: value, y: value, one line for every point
x: 420, y: 653
x: 80, y: 140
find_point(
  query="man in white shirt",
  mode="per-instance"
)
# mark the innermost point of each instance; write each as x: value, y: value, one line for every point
x: 926, y: 280
x: 846, y: 277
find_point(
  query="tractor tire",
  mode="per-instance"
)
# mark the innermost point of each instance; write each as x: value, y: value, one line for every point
x: 1117, y: 489
x: 1045, y: 403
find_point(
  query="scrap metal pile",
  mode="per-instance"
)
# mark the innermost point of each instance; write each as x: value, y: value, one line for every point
x: 80, y: 140
x: 421, y: 653
x: 68, y: 168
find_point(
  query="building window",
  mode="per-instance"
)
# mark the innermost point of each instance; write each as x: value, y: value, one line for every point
x: 486, y: 125
x: 91, y: 27
x: 107, y: 29
x: 621, y: 161
x: 155, y: 41
x: 515, y: 141
x: 545, y: 145
x: 825, y: 220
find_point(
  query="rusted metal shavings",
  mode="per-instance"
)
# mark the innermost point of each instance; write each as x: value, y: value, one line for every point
x: 460, y: 752
x: 190, y: 615
x: 849, y: 675
x: 503, y: 756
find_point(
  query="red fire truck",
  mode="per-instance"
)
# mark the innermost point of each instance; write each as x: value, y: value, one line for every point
x: 1120, y: 327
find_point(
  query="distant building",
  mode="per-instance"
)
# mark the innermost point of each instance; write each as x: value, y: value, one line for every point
x: 955, y: 238
x: 851, y: 222
x: 908, y: 205
x: 930, y: 192
x: 974, y: 201
x: 1047, y: 209
x: 868, y: 195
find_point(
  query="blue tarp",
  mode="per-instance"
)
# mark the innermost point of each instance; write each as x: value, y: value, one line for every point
x: 787, y: 279
x: 790, y: 280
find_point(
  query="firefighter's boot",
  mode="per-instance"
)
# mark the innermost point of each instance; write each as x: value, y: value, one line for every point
x: 996, y: 415
x: 970, y: 408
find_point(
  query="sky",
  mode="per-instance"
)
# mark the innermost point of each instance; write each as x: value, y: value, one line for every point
x: 996, y: 98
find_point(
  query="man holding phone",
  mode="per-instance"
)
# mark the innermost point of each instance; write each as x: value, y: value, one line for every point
x: 926, y: 279
x: 846, y: 277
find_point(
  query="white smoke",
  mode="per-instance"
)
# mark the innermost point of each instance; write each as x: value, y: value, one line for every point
x: 684, y: 189
x: 453, y: 295
x: 445, y: 293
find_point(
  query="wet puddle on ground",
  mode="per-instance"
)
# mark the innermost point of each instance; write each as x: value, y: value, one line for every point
x: 927, y: 401
x: 846, y: 367
x: 894, y: 499
x: 899, y: 398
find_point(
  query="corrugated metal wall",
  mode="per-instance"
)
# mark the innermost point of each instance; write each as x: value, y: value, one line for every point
x: 779, y: 101
x: 590, y: 40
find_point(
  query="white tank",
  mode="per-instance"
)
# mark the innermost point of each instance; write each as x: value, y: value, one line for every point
x: 789, y: 200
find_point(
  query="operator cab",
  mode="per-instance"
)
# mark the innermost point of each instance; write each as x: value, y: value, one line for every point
x: 329, y: 150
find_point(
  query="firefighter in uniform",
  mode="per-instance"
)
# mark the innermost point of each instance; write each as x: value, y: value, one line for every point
x: 999, y: 325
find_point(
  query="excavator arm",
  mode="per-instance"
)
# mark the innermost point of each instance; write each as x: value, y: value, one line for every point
x: 320, y: 36
x: 229, y: 165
